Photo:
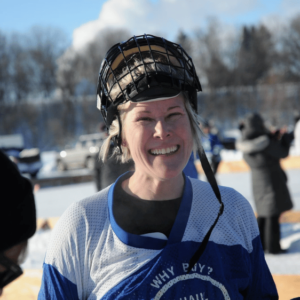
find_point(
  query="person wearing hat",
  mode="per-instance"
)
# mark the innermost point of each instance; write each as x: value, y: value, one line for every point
x: 297, y: 133
x: 106, y: 173
x: 17, y: 219
x: 262, y: 151
x: 155, y: 233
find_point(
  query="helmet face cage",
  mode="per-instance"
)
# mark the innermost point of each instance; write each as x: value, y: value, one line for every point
x: 142, y: 68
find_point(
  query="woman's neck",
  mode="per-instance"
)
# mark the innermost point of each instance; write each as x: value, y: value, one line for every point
x: 148, y: 188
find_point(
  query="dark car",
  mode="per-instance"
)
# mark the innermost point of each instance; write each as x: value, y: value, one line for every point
x: 27, y: 160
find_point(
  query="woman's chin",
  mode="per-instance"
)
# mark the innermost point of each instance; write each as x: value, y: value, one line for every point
x: 167, y: 173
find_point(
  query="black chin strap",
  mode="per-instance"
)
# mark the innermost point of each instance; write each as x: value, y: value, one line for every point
x: 212, y: 180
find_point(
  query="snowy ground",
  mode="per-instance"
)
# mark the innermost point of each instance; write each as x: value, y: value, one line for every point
x: 52, y: 202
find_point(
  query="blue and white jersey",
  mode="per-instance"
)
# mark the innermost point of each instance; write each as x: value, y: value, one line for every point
x: 91, y: 257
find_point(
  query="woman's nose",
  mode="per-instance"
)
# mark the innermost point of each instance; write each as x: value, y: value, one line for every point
x: 162, y: 129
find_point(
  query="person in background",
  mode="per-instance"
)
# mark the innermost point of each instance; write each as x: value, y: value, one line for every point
x: 262, y: 150
x: 297, y: 133
x: 17, y: 220
x: 106, y: 173
x: 211, y: 145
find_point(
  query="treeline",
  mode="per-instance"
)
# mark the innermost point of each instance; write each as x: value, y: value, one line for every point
x: 44, y: 76
x: 41, y: 64
x: 54, y: 124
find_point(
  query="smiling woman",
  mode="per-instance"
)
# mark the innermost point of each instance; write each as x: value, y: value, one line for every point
x: 159, y: 139
x: 155, y: 233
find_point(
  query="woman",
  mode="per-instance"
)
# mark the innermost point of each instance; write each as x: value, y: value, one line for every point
x: 263, y: 151
x: 150, y: 235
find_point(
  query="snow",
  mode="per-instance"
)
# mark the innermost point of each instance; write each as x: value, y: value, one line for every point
x: 37, y: 250
x: 52, y: 202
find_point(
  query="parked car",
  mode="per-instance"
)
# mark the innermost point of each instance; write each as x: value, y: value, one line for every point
x: 82, y: 155
x: 27, y: 160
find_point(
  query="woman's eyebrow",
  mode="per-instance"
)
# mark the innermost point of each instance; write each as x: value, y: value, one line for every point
x: 144, y: 111
x: 149, y: 112
x: 177, y: 106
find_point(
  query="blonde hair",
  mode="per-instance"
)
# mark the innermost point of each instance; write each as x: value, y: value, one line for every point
x: 115, y: 128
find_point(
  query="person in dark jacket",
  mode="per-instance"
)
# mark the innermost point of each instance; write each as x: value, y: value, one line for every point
x: 17, y: 220
x: 107, y: 173
x: 262, y: 150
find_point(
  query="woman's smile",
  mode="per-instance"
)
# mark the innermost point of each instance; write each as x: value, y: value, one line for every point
x: 165, y: 151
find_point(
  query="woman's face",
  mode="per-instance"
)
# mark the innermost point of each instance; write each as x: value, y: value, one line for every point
x: 159, y: 137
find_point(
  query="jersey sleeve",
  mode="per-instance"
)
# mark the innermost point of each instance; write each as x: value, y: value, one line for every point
x: 56, y: 286
x: 63, y: 267
x: 261, y: 284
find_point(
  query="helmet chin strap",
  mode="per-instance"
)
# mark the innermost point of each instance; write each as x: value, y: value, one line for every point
x: 212, y: 180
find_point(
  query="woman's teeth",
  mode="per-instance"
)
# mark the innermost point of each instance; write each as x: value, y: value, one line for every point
x: 164, y: 151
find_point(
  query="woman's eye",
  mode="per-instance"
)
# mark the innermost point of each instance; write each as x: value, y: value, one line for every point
x: 144, y: 119
x: 174, y: 116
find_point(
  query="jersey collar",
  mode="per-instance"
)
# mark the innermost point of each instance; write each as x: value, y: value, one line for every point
x: 146, y: 242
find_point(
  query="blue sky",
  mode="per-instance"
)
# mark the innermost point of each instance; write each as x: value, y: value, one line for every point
x: 165, y: 16
x: 20, y: 16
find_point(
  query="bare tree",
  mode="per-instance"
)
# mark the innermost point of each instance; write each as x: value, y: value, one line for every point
x: 45, y: 45
x: 255, y: 55
x: 185, y: 41
x: 4, y: 65
x: 290, y: 55
x: 82, y: 67
x: 68, y: 75
x: 21, y: 69
x: 209, y: 53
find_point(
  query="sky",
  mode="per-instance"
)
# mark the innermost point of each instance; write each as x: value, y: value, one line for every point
x: 81, y: 20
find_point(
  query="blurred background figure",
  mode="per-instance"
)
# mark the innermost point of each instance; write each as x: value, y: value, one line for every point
x: 106, y: 173
x: 17, y: 220
x: 211, y: 145
x: 262, y: 150
x: 297, y: 133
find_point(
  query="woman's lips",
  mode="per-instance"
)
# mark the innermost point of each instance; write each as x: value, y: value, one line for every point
x: 163, y: 151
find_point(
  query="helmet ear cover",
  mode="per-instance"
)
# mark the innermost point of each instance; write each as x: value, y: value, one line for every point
x: 144, y: 68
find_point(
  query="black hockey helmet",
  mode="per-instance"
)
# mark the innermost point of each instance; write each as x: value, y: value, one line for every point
x: 144, y: 68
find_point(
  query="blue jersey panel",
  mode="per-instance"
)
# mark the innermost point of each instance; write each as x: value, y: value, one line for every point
x: 56, y: 286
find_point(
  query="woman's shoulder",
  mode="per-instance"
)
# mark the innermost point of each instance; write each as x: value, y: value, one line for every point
x: 238, y: 218
x: 228, y: 193
x: 89, y: 210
